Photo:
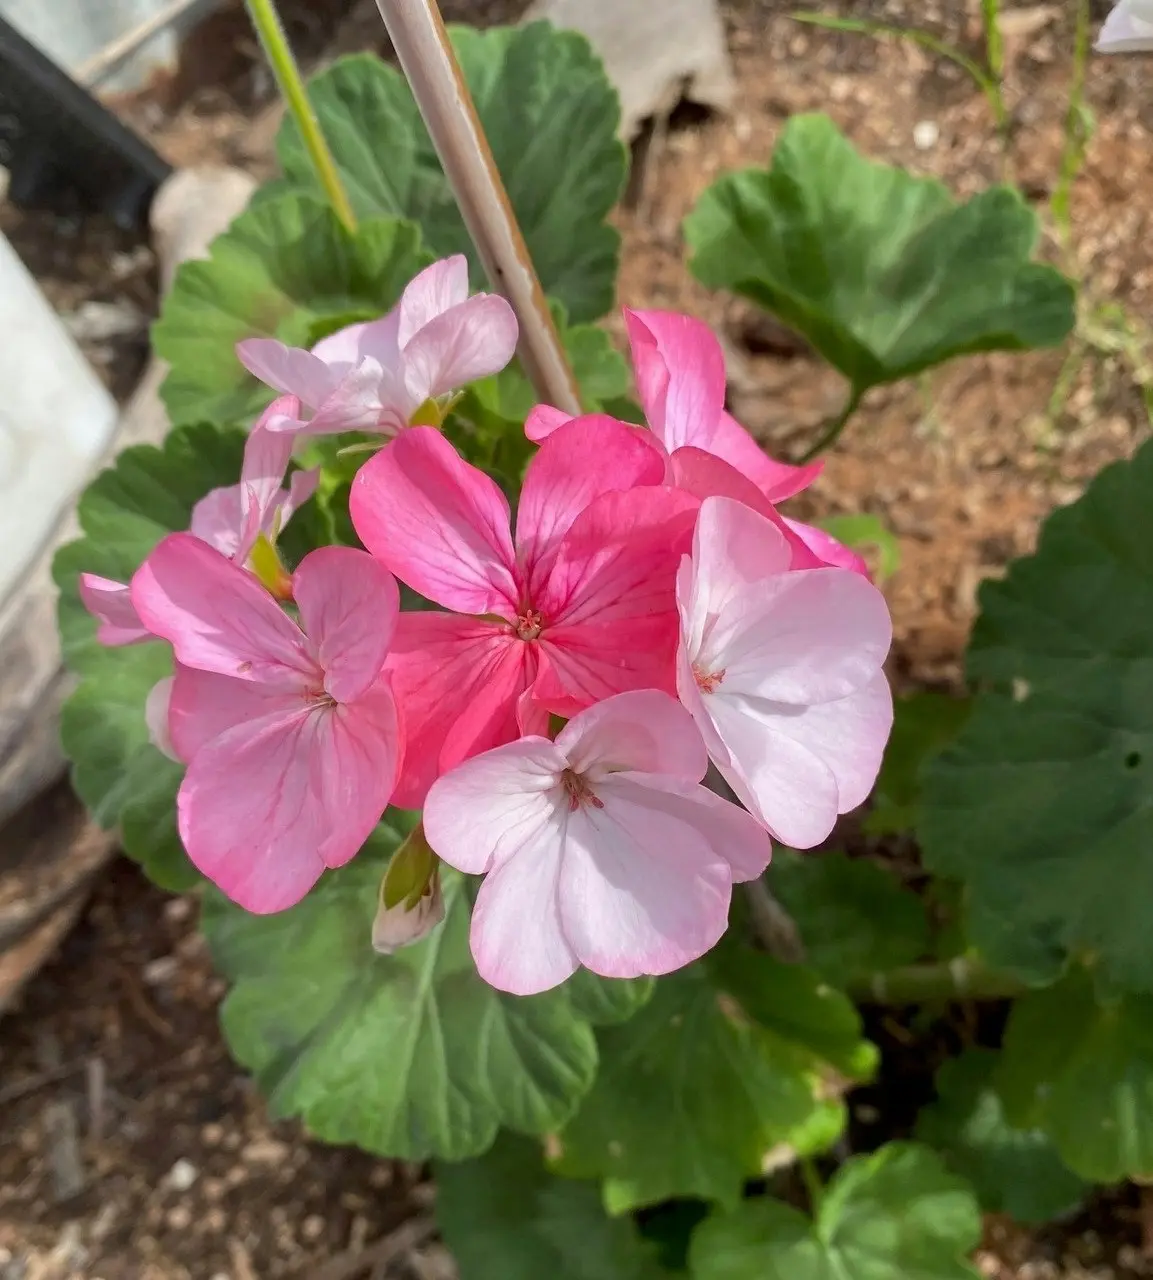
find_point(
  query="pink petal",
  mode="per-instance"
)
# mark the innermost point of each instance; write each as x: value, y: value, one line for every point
x: 517, y: 939
x: 431, y: 293
x: 348, y: 607
x: 264, y: 808
x: 1127, y: 29
x: 808, y: 636
x: 203, y: 705
x: 680, y: 376
x: 156, y: 717
x: 543, y: 421
x: 301, y: 487
x: 585, y: 663
x: 458, y: 682
x: 476, y: 815
x: 587, y: 457
x: 828, y: 550
x: 341, y: 350
x: 776, y: 480
x: 217, y: 519
x: 369, y: 397
x: 643, y: 730
x: 217, y: 616
x: 111, y: 604
x: 474, y: 339
x: 288, y: 370
x: 438, y: 523
x: 266, y: 457
x: 641, y: 890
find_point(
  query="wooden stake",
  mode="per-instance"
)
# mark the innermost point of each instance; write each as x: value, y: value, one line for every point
x: 427, y: 59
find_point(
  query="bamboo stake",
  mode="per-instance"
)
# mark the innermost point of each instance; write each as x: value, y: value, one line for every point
x: 427, y: 59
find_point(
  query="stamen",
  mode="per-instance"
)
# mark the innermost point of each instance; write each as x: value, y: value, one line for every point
x: 578, y: 791
x: 529, y: 624
x: 707, y: 681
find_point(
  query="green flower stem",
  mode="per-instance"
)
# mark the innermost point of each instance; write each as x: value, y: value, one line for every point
x: 814, y: 1187
x: 833, y: 429
x: 268, y: 26
x: 964, y: 978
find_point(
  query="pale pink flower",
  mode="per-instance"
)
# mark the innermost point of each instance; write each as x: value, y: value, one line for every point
x: 600, y: 849
x: 230, y: 519
x: 374, y: 376
x: 782, y: 671
x: 1128, y: 28
x: 290, y: 732
x: 581, y: 607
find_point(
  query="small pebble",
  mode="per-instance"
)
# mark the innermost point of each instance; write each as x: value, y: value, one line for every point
x: 926, y: 134
x: 159, y: 971
x: 182, y: 1175
x: 179, y: 1217
x: 312, y: 1228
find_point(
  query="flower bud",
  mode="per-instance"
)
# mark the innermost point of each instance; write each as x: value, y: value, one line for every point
x: 411, y: 904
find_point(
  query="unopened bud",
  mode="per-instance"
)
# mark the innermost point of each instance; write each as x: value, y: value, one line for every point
x: 411, y: 904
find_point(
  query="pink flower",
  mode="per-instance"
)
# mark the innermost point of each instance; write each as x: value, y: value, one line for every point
x: 374, y: 376
x: 230, y: 519
x: 600, y: 849
x: 290, y: 732
x: 782, y: 671
x: 582, y: 607
x: 1128, y: 28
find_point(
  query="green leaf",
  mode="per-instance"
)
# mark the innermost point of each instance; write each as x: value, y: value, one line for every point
x: 1042, y: 804
x: 551, y: 117
x: 410, y: 1055
x: 285, y: 269
x: 894, y: 1215
x: 882, y: 272
x: 1013, y: 1171
x: 869, y: 537
x: 923, y: 725
x: 1081, y: 1070
x: 124, y: 512
x: 506, y: 1218
x: 708, y: 1077
x: 855, y: 917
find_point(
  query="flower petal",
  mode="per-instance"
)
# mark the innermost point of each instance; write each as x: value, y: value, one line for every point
x: 828, y: 550
x: 432, y: 292
x: 587, y: 457
x: 776, y: 480
x: 111, y: 604
x: 266, y: 457
x: 438, y: 523
x: 265, y: 807
x: 543, y: 420
x: 517, y: 939
x: 217, y: 616
x: 480, y: 814
x: 202, y: 705
x: 474, y: 339
x: 348, y: 606
x: 156, y: 717
x: 641, y: 891
x: 458, y: 682
x: 217, y: 518
x: 369, y: 397
x: 680, y: 376
x: 288, y: 370
x: 644, y: 731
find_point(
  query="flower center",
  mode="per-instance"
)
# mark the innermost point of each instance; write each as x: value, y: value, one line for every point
x: 528, y: 624
x: 578, y: 791
x: 707, y: 681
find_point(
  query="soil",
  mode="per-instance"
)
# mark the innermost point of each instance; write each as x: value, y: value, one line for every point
x: 130, y: 1147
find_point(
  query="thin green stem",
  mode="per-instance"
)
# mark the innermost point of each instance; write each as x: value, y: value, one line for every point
x: 268, y: 26
x: 814, y: 1187
x: 833, y: 429
x: 1078, y: 128
x: 964, y: 978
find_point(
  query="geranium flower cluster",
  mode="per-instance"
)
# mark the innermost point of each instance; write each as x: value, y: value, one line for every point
x: 647, y: 612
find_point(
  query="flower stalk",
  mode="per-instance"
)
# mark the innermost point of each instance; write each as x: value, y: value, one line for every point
x: 962, y: 978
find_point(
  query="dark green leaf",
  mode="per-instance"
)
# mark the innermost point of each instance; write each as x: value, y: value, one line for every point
x: 506, y: 1218
x: 1013, y: 1171
x: 894, y: 1215
x: 923, y: 725
x: 1081, y: 1070
x: 410, y: 1055
x: 285, y: 269
x: 1042, y: 805
x: 551, y: 117
x: 855, y: 917
x: 882, y: 272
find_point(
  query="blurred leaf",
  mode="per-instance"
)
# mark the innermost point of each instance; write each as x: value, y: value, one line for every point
x: 551, y: 117
x: 504, y: 1216
x: 893, y: 1215
x: 1013, y: 1171
x: 882, y: 272
x: 869, y: 537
